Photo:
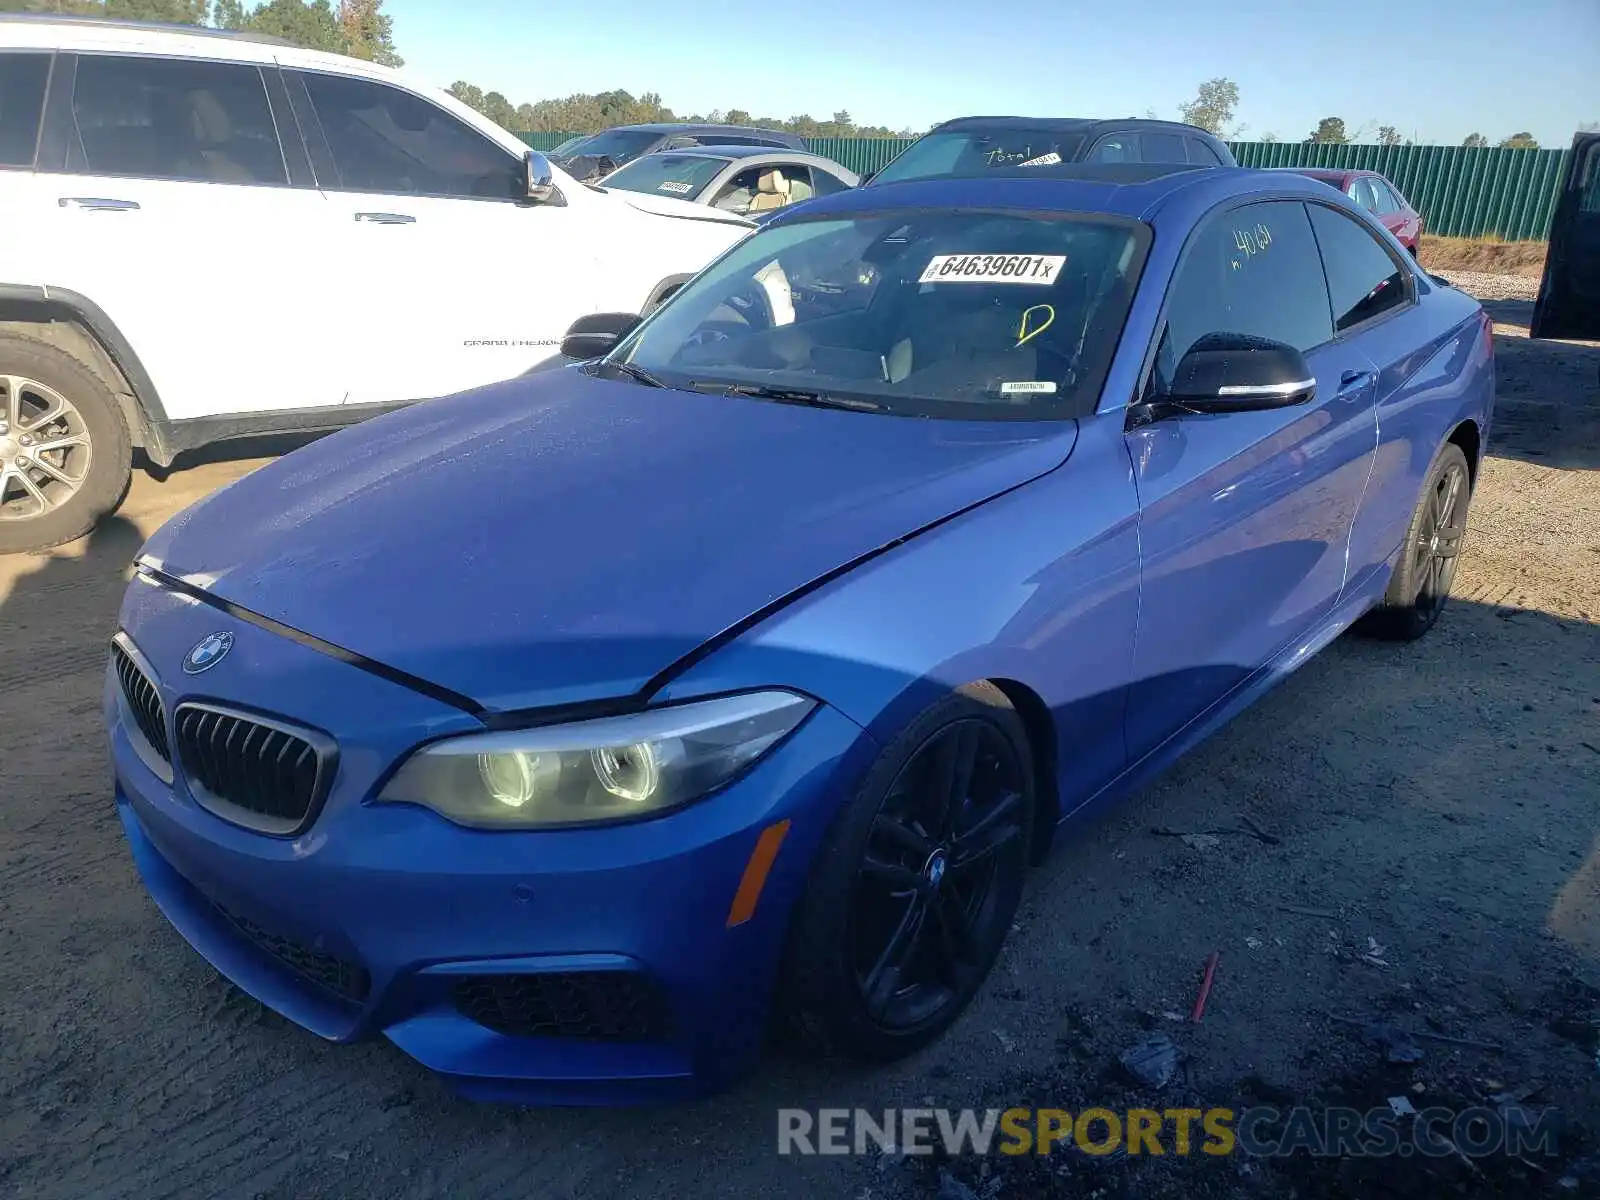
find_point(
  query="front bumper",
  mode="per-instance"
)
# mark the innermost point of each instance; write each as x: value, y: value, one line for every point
x: 393, y: 920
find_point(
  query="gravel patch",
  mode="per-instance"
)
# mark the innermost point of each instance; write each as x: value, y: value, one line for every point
x: 1493, y: 287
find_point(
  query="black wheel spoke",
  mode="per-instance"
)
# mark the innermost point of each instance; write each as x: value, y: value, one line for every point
x: 892, y: 832
x: 956, y: 929
x: 888, y: 973
x: 896, y: 876
x: 952, y: 780
x: 996, y: 829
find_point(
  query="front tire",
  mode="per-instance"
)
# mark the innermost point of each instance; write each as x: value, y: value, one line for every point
x: 915, y: 887
x: 1421, y: 581
x: 65, y: 456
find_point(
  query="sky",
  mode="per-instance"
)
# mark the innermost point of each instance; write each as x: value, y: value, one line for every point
x: 1437, y: 70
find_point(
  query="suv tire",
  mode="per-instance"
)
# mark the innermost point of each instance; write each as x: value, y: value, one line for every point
x: 47, y: 395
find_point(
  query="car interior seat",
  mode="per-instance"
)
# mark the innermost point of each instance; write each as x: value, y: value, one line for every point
x: 214, y: 139
x: 772, y: 191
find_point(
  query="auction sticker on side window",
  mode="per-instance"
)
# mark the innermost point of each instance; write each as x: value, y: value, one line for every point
x: 993, y: 268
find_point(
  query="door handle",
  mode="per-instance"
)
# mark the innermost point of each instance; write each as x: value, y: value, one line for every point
x: 382, y: 218
x: 1353, y: 381
x: 98, y: 204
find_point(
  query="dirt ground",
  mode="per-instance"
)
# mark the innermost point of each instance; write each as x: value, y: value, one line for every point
x: 1441, y: 799
x: 1490, y: 255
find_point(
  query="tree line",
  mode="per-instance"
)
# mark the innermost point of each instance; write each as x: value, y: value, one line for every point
x: 359, y: 28
x: 362, y: 29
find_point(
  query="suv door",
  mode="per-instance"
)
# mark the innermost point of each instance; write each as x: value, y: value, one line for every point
x: 447, y: 281
x: 1244, y: 517
x: 165, y: 195
x: 1569, y: 293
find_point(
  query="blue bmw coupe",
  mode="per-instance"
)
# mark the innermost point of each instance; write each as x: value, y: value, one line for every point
x: 570, y: 731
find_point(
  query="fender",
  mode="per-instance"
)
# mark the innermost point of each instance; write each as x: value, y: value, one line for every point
x: 148, y: 421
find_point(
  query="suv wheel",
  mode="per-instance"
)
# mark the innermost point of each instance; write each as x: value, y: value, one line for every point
x: 65, y: 454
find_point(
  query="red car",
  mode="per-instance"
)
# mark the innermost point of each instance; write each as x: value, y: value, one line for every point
x: 1375, y: 194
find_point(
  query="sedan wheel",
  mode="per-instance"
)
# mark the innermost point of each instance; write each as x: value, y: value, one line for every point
x: 916, y: 887
x: 1427, y: 567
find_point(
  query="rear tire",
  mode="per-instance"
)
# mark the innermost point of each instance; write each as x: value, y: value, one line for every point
x: 1421, y: 581
x: 65, y: 455
x: 896, y: 859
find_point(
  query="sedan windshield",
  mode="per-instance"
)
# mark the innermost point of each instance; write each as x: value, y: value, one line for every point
x: 683, y: 176
x: 977, y: 315
x: 619, y: 145
x: 971, y: 152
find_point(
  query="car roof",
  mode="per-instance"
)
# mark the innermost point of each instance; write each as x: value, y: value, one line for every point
x: 146, y: 27
x: 1114, y: 189
x: 729, y: 152
x: 1325, y: 173
x: 696, y: 126
x: 1067, y: 124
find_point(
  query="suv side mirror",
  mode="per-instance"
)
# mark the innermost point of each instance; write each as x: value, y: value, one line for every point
x: 1236, y: 373
x: 538, y: 180
x: 594, y: 335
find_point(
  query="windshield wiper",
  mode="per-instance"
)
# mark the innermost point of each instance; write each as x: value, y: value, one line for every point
x: 787, y: 395
x: 628, y: 370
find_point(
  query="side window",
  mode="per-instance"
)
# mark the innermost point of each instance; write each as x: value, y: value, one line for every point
x: 1364, y: 280
x: 1251, y: 270
x: 739, y: 191
x: 1162, y: 148
x: 825, y: 183
x: 384, y: 139
x: 168, y: 118
x: 1202, y: 153
x: 1360, y: 190
x: 22, y: 83
x: 1388, y: 205
x: 1116, y: 147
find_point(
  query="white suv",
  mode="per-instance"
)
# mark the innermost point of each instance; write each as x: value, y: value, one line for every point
x: 210, y: 235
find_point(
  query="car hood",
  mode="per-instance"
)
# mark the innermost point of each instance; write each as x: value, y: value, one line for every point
x: 558, y: 539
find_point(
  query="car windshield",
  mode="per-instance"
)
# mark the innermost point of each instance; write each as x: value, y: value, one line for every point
x: 970, y: 314
x: 971, y: 152
x: 684, y: 176
x: 619, y: 145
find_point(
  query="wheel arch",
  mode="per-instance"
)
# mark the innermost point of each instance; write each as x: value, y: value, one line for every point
x: 74, y: 323
x: 1040, y: 728
x: 1469, y: 437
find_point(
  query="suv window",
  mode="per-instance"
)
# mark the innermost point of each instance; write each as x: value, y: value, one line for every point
x: 1364, y: 280
x: 826, y: 183
x: 384, y: 139
x: 1201, y: 152
x: 1162, y: 148
x: 1251, y: 270
x: 1116, y: 147
x: 22, y: 83
x: 167, y: 118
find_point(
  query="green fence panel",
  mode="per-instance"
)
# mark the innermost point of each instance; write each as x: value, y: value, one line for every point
x: 1461, y: 191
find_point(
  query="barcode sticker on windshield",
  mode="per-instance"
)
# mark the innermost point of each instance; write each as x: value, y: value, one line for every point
x: 1028, y: 387
x: 1044, y: 160
x: 993, y: 268
x: 674, y: 185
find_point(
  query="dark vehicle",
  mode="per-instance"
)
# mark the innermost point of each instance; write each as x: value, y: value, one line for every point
x: 991, y: 146
x: 1569, y: 293
x: 596, y: 156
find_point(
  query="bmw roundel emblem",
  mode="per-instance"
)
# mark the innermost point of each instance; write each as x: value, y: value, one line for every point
x: 207, y: 653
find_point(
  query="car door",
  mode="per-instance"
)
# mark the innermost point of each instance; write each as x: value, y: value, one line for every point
x: 447, y: 280
x: 1569, y: 293
x: 165, y: 195
x: 1244, y: 517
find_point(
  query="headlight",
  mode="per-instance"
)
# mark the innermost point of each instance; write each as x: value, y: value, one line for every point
x: 611, y: 769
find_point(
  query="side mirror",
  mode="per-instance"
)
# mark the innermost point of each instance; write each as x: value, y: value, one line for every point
x: 1236, y: 373
x: 864, y: 178
x: 594, y: 335
x: 538, y: 180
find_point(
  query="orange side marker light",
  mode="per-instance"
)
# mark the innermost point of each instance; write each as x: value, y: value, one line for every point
x: 756, y: 872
